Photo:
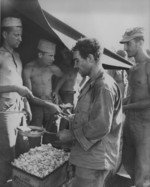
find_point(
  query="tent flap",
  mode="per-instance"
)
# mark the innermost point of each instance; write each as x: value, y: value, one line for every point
x: 39, y: 23
x: 115, y: 56
x: 62, y: 27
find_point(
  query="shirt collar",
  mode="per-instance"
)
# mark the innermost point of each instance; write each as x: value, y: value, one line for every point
x: 93, y: 79
x: 91, y: 82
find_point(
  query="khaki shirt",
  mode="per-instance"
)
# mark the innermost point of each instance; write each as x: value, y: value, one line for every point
x: 97, y: 125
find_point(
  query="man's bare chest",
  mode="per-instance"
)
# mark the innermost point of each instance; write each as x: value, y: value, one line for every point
x: 138, y: 76
x: 41, y: 74
x: 9, y: 67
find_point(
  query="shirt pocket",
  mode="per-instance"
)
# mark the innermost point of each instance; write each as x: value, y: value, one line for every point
x: 82, y: 115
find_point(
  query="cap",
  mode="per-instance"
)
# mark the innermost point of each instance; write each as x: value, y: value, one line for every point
x: 11, y: 22
x: 132, y: 33
x: 46, y: 46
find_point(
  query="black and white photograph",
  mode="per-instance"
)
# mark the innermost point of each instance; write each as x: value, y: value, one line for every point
x: 74, y: 93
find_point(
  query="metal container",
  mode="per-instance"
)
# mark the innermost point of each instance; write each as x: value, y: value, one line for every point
x: 57, y: 178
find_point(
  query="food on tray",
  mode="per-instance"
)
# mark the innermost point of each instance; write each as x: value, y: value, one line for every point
x: 24, y: 128
x: 33, y: 131
x: 41, y: 161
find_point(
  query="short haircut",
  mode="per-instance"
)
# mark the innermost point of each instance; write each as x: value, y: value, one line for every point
x: 42, y: 52
x: 7, y: 29
x: 88, y: 46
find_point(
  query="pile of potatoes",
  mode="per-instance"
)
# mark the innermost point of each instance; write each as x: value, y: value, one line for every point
x: 41, y: 161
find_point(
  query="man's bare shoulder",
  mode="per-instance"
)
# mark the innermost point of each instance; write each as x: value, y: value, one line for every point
x: 56, y: 70
x: 54, y: 67
x: 3, y: 53
x: 31, y: 64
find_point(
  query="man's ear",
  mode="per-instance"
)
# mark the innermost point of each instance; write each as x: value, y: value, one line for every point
x: 141, y: 42
x: 40, y: 55
x: 91, y: 58
x: 4, y: 34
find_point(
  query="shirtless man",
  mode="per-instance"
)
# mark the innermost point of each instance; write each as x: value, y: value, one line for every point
x: 38, y: 78
x: 12, y: 94
x: 136, y: 150
x: 66, y: 88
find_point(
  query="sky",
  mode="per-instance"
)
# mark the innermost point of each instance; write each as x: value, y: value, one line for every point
x: 105, y: 20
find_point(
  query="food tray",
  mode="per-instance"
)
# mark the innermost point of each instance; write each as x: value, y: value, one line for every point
x: 35, y: 132
x: 56, y: 178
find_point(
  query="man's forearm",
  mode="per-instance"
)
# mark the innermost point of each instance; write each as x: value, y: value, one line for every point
x: 59, y: 84
x: 39, y: 102
x: 8, y: 88
x: 142, y: 104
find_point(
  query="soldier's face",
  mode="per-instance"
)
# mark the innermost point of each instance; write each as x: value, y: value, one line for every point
x: 81, y: 64
x: 48, y: 57
x: 131, y: 48
x: 13, y: 37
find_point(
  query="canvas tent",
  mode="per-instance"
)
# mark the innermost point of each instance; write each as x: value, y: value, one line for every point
x: 37, y: 23
x: 34, y: 24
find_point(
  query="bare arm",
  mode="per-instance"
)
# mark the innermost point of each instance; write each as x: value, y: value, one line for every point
x: 21, y: 90
x: 59, y: 84
x: 62, y: 78
x: 53, y: 107
x: 8, y: 88
x: 142, y: 104
x: 56, y: 71
x: 27, y: 76
x: 40, y: 102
